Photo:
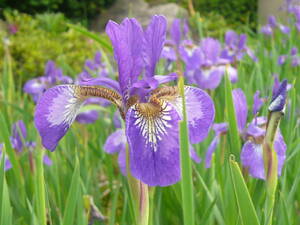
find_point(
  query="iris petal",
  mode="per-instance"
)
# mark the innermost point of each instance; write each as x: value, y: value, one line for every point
x: 200, y: 112
x: 154, y: 145
x: 55, y: 113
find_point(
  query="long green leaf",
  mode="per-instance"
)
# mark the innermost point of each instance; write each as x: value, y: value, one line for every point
x: 73, y: 197
x: 91, y: 35
x: 232, y: 121
x: 186, y: 166
x: 40, y: 187
x: 5, y: 207
x: 246, y: 208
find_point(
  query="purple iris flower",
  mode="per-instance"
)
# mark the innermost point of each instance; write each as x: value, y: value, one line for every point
x: 179, y: 33
x: 236, y: 47
x: 266, y: 30
x: 53, y: 76
x: 252, y: 152
x: 151, y: 113
x: 293, y: 57
x: 253, y: 133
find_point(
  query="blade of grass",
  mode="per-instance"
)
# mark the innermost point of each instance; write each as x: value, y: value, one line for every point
x: 13, y: 159
x: 186, y: 166
x: 245, y: 205
x: 235, y: 144
x: 91, y: 35
x: 73, y: 196
x: 40, y: 188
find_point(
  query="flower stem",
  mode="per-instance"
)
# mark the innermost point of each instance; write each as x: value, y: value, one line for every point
x: 139, y: 195
x: 40, y: 186
x: 271, y: 164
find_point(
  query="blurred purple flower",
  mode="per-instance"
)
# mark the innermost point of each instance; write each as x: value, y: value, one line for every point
x: 151, y: 113
x: 266, y: 30
x: 53, y: 76
x: 236, y: 47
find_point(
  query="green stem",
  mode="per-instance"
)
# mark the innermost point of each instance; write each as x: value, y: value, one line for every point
x: 140, y: 197
x: 41, y: 201
x: 271, y: 164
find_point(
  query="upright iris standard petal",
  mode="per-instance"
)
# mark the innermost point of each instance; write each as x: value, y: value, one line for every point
x: 127, y: 39
x: 240, y: 107
x: 175, y: 31
x: 154, y: 40
x: 55, y: 112
x: 258, y: 102
x: 152, y: 134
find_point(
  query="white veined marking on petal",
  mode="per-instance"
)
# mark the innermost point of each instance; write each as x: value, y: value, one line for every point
x: 194, y: 105
x: 276, y: 102
x: 64, y: 107
x: 153, y: 128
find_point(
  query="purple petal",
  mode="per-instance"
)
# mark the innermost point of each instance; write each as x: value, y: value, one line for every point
x: 258, y: 102
x: 155, y: 36
x: 240, y: 107
x: 284, y: 29
x: 294, y: 51
x: 127, y: 40
x: 175, y: 31
x: 166, y: 78
x: 266, y: 30
x: 47, y: 161
x: 211, y: 149
x: 115, y: 142
x: 232, y: 73
x: 191, y: 55
x: 34, y: 86
x: 255, y: 131
x: 280, y: 148
x: 200, y: 113
x: 194, y: 156
x: 55, y: 112
x: 211, y: 49
x: 87, y: 117
x: 220, y: 128
x: 101, y: 81
x: 168, y: 52
x: 209, y: 78
x: 272, y: 21
x: 231, y: 38
x: 117, y: 120
x: 252, y: 158
x: 154, y: 146
x: 279, y: 98
x: 19, y: 134
x: 281, y: 59
x: 122, y: 161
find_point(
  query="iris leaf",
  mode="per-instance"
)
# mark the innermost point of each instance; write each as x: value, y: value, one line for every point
x: 245, y: 205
